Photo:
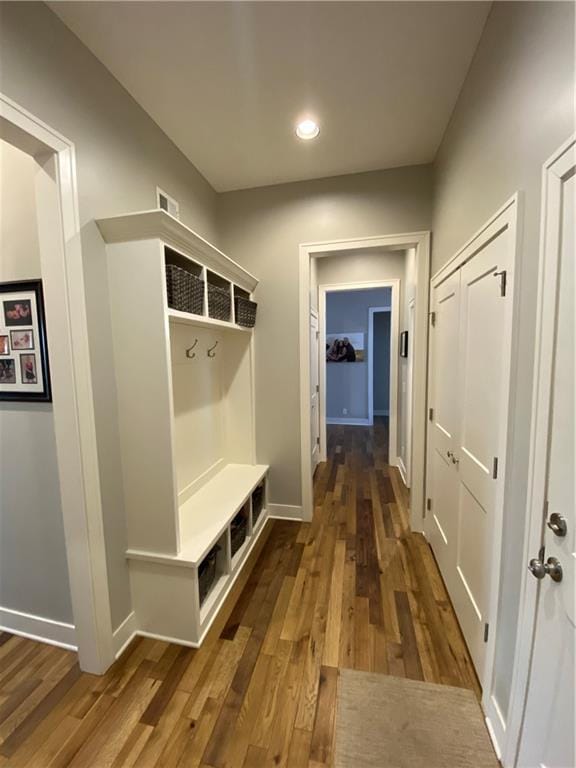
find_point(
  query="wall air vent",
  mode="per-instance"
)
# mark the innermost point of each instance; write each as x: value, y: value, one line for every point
x: 167, y: 203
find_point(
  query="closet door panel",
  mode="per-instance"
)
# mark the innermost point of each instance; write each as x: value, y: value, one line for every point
x: 484, y: 347
x: 443, y: 527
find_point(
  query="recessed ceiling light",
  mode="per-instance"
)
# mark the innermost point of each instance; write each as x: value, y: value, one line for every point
x: 307, y: 129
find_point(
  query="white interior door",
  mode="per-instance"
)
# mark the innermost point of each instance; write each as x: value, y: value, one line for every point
x: 548, y: 733
x: 484, y: 354
x: 441, y: 524
x: 314, y: 390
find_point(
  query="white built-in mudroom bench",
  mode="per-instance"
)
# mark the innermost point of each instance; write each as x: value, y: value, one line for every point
x: 195, y: 499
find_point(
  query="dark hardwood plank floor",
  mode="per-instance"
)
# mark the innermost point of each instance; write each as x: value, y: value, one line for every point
x: 353, y: 588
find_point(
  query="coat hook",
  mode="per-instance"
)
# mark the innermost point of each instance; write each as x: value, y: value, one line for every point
x: 189, y: 352
x: 211, y: 352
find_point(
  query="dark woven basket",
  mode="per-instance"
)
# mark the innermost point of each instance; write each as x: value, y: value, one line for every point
x: 257, y: 502
x: 207, y: 573
x: 185, y: 291
x: 218, y: 302
x: 245, y: 312
x: 238, y: 530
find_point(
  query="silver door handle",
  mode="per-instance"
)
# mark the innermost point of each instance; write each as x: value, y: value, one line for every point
x: 551, y: 567
x: 557, y: 524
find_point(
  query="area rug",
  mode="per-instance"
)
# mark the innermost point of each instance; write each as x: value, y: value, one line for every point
x: 391, y: 722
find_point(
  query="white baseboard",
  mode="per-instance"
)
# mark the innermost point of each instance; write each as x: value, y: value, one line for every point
x: 124, y: 634
x: 402, y: 470
x: 348, y: 421
x: 38, y: 628
x: 285, y: 512
x: 381, y: 413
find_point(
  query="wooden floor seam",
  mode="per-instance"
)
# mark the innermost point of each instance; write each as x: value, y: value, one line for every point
x: 352, y: 589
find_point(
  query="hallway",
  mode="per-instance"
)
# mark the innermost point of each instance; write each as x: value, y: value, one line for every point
x: 353, y: 589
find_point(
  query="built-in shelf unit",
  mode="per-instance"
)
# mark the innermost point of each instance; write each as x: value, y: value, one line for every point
x: 195, y: 499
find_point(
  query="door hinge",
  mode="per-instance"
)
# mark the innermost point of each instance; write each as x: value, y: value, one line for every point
x: 317, y: 387
x: 486, y: 630
x: 545, y: 510
x: 430, y: 414
x: 433, y: 318
x: 317, y: 441
x: 428, y: 505
x: 495, y: 468
x: 317, y: 334
x: 502, y: 276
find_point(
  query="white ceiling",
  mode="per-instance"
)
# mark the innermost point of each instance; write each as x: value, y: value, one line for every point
x: 228, y: 81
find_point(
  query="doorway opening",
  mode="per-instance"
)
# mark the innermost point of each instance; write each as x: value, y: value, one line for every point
x: 358, y: 347
x: 349, y: 258
x: 51, y: 159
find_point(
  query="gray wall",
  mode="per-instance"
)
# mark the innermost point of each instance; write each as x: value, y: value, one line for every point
x: 263, y: 228
x: 121, y: 156
x: 347, y: 383
x: 381, y: 371
x: 516, y: 108
x: 33, y: 566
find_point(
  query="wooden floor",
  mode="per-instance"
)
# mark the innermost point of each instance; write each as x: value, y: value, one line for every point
x: 353, y: 589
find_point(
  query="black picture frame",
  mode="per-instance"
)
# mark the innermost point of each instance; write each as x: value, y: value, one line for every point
x: 10, y: 320
x: 404, y: 344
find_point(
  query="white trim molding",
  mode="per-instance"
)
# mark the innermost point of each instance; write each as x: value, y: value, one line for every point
x: 74, y: 420
x: 420, y: 241
x: 38, y: 628
x: 124, y: 634
x: 285, y: 512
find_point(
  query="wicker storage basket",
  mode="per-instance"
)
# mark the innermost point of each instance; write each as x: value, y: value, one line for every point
x: 257, y: 502
x: 245, y: 311
x: 238, y: 529
x: 185, y: 291
x: 207, y: 573
x: 219, y: 306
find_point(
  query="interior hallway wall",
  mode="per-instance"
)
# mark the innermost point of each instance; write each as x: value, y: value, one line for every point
x: 347, y: 383
x: 263, y: 229
x: 33, y: 566
x: 516, y: 108
x: 121, y: 155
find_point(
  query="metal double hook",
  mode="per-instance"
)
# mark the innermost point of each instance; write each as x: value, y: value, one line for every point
x: 210, y: 351
x: 189, y: 352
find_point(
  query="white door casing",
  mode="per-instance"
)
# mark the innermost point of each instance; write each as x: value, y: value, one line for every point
x: 74, y: 421
x: 420, y: 241
x: 541, y: 730
x: 409, y: 392
x: 314, y: 389
x: 469, y: 391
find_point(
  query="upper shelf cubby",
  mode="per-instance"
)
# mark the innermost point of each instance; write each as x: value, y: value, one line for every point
x: 157, y: 224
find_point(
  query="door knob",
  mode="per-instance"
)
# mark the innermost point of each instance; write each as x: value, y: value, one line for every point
x: 557, y: 524
x: 551, y: 568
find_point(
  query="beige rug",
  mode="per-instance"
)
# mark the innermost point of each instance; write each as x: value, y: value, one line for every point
x: 390, y: 722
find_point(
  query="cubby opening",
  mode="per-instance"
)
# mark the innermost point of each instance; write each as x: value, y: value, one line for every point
x: 185, y: 290
x: 212, y: 572
x: 258, y: 502
x: 239, y: 529
x: 219, y: 297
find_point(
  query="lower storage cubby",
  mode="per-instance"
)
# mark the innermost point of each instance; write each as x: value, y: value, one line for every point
x: 239, y: 529
x: 207, y: 573
x: 258, y: 499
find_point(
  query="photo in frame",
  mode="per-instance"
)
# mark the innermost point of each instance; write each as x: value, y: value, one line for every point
x: 24, y: 364
x: 345, y: 348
